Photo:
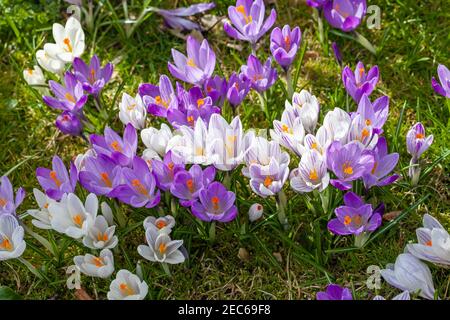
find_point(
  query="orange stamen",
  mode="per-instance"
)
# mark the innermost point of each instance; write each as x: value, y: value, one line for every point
x: 78, y: 220
x: 347, y: 168
x: 190, y: 185
x: 313, y: 175
x: 3, y: 202
x: 139, y: 187
x: 105, y: 177
x: 70, y: 97
x: 420, y: 136
x: 347, y: 220
x: 98, y: 262
x: 67, y: 43
x: 160, y: 224
x: 162, y: 248
x: 6, y: 244
x: 55, y: 179
x: 200, y: 102
x: 102, y: 237
x: 267, y: 182
x: 215, y: 202
x: 116, y: 146
x: 429, y: 243
x: 126, y: 289
x: 190, y: 62
x: 375, y: 166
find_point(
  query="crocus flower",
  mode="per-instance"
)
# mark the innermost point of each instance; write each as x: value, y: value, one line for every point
x: 100, y: 235
x: 157, y: 140
x: 53, y: 65
x: 318, y: 142
x: 166, y: 170
x: 226, y: 140
x: 215, y: 203
x: 357, y: 83
x: 402, y: 296
x: 433, y: 242
x: 92, y: 76
x: 216, y: 88
x: 132, y: 110
x: 262, y: 77
x: 348, y: 162
x: 69, y: 41
x: 188, y: 184
x: 307, y: 108
x: 74, y: 280
x: 383, y: 165
x: 284, y: 45
x: 139, y: 189
x: 158, y: 99
x: 311, y: 173
x: 337, y: 53
x: 57, y: 181
x: 360, y: 132
x: 416, y: 140
x: 289, y: 132
x: 68, y: 97
x: 374, y: 114
x: 12, y: 244
x: 335, y: 292
x: 176, y: 18
x: 100, y: 175
x: 161, y: 224
x: 410, y: 274
x: 80, y: 159
x: 127, y: 286
x: 444, y: 77
x: 199, y: 64
x: 71, y: 217
x: 337, y: 123
x: 247, y: 19
x: 355, y: 217
x: 93, y: 266
x: 8, y: 204
x: 42, y: 217
x: 316, y: 3
x: 160, y: 248
x: 121, y: 150
x: 345, y: 14
x: 69, y: 123
x: 238, y: 88
x: 35, y: 77
x: 255, y: 212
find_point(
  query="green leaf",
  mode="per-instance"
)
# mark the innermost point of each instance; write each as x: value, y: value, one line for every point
x: 7, y: 293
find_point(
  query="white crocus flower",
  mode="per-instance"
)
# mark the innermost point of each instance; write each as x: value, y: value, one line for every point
x: 107, y: 213
x: 319, y: 142
x: 434, y: 242
x: 127, y: 286
x: 49, y: 63
x: 311, y: 173
x: 74, y: 280
x: 402, y: 296
x: 337, y: 122
x: 100, y: 235
x: 411, y: 274
x: 81, y: 158
x: 73, y: 218
x: 161, y: 248
x: 101, y: 266
x: 132, y: 110
x: 161, y: 224
x: 156, y: 140
x: 289, y: 132
x: 226, y: 140
x: 35, y: 77
x: 193, y: 145
x: 360, y: 131
x: 69, y: 41
x: 42, y: 217
x: 12, y: 244
x: 255, y: 212
x: 307, y: 108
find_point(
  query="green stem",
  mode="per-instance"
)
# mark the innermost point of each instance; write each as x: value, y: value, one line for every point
x: 227, y: 179
x: 166, y: 269
x: 118, y: 213
x: 173, y: 207
x: 212, y: 232
x: 40, y: 239
x: 33, y: 270
x: 289, y: 86
x: 361, y: 239
x: 364, y: 42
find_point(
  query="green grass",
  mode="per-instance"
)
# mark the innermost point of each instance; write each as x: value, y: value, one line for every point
x: 412, y: 40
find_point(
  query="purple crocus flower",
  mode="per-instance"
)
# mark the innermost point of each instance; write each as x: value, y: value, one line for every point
x: 69, y: 123
x: 348, y: 162
x: 444, y: 77
x: 158, y: 99
x: 284, y: 45
x: 374, y: 115
x: 357, y: 83
x: 355, y: 217
x: 122, y: 151
x: 215, y: 203
x: 176, y: 18
x: 92, y: 76
x: 166, y: 170
x: 345, y: 14
x: 337, y: 53
x: 8, y: 204
x: 100, y: 175
x: 139, y: 189
x: 238, y: 88
x: 68, y: 97
x: 188, y: 184
x: 334, y: 292
x: 216, y: 88
x: 262, y: 77
x: 383, y: 165
x: 248, y: 22
x: 199, y: 64
x: 416, y: 141
x: 57, y: 181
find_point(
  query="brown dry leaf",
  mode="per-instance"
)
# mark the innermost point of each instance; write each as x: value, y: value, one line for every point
x: 278, y: 256
x: 391, y: 215
x: 82, y: 295
x: 243, y: 254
